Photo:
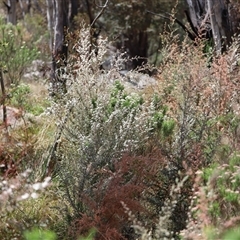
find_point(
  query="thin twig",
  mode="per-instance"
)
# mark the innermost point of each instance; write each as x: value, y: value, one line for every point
x: 191, y: 35
x: 3, y: 99
x: 99, y: 14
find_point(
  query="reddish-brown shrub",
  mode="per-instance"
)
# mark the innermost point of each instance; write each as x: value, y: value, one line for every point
x: 130, y: 182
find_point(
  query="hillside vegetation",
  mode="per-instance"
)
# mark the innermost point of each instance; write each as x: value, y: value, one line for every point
x: 107, y: 159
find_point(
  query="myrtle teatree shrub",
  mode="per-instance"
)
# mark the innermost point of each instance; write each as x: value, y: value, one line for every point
x: 201, y: 93
x: 98, y: 121
x: 201, y: 96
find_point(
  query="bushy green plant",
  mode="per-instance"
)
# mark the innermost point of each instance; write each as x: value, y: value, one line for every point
x: 37, y: 234
x: 36, y: 25
x: 216, y: 201
x: 20, y: 96
x: 98, y: 121
x: 233, y: 234
x: 15, y: 55
x: 160, y: 122
x: 205, y: 133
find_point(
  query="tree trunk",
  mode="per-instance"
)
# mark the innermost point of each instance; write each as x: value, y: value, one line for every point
x: 137, y: 45
x: 73, y: 9
x: 29, y: 6
x: 50, y: 18
x: 60, y: 49
x: 4, y: 109
x: 212, y: 20
x: 11, y: 11
x: 220, y: 22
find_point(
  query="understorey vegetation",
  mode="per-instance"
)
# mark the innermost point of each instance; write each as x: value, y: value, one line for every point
x: 104, y: 159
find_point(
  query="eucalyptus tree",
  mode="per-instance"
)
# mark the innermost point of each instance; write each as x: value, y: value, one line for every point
x: 216, y: 20
x: 58, y: 22
x: 130, y: 26
x: 11, y: 6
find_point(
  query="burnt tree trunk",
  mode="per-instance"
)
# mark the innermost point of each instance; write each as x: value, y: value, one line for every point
x: 73, y: 9
x: 137, y: 46
x: 212, y: 19
x: 59, y: 48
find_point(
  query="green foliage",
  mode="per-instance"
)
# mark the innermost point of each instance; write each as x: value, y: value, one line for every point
x: 208, y: 172
x: 160, y: 122
x: 120, y: 99
x: 168, y: 127
x: 99, y: 121
x: 214, y: 210
x: 233, y: 234
x: 20, y: 96
x: 37, y: 234
x: 227, y: 181
x: 89, y: 236
x: 15, y: 55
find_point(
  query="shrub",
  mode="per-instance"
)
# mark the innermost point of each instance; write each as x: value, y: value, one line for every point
x: 201, y: 94
x: 37, y: 234
x: 201, y: 98
x: 99, y: 121
x: 19, y: 95
x: 216, y: 201
x: 164, y: 227
x: 22, y: 97
x: 15, y: 55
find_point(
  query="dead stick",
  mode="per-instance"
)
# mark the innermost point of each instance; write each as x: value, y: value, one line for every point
x: 3, y: 99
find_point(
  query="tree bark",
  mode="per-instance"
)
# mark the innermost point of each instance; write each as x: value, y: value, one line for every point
x: 60, y: 49
x: 50, y: 19
x: 211, y: 19
x: 73, y: 9
x: 29, y: 6
x: 4, y: 108
x: 137, y: 45
x: 11, y: 11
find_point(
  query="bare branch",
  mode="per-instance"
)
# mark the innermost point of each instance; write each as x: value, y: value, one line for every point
x: 169, y: 16
x: 100, y: 13
x: 4, y: 109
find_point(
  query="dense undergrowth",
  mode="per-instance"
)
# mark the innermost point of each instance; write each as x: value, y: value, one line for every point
x: 155, y: 163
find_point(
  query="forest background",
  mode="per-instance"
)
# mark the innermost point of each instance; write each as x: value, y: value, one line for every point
x: 119, y: 119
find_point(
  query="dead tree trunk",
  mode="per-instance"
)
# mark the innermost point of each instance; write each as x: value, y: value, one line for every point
x: 211, y: 19
x: 11, y: 11
x: 51, y: 17
x: 137, y: 45
x: 4, y: 108
x: 59, y: 22
x: 73, y: 9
